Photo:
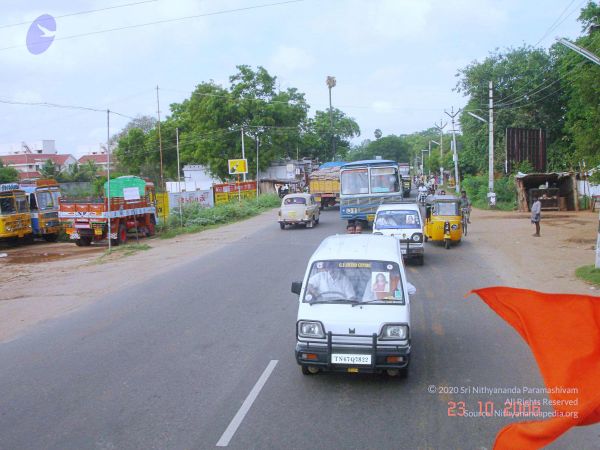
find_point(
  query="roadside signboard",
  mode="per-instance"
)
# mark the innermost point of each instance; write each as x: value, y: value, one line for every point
x: 237, y: 166
x: 227, y: 192
x: 162, y: 205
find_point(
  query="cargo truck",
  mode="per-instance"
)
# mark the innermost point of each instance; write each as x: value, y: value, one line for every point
x: 130, y: 205
x: 15, y: 217
x: 324, y: 184
x: 43, y: 198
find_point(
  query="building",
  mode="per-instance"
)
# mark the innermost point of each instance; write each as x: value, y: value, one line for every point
x: 100, y: 159
x: 29, y: 159
x: 195, y: 178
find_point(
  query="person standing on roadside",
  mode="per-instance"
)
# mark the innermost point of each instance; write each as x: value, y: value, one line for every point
x: 536, y: 215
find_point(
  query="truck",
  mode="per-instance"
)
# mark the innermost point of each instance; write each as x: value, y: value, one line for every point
x: 15, y: 217
x: 324, y: 183
x: 130, y: 204
x: 43, y: 196
x: 404, y: 169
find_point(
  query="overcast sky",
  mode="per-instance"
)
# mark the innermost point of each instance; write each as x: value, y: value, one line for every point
x: 395, y: 60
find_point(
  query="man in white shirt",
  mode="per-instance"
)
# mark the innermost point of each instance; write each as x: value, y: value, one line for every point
x: 331, y: 283
x: 536, y: 215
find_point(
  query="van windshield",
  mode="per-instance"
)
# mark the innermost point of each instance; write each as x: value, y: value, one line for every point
x: 349, y: 281
x: 397, y: 219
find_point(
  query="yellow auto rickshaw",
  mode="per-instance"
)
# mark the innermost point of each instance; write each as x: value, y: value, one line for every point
x: 443, y: 220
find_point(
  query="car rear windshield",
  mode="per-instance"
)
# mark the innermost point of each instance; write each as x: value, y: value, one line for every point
x: 397, y: 219
x: 295, y: 201
x: 354, y: 281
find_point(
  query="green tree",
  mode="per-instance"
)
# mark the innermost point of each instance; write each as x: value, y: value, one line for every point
x: 528, y: 93
x: 49, y: 169
x: 8, y: 174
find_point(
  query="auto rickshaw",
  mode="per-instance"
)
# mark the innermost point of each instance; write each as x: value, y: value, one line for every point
x: 443, y: 221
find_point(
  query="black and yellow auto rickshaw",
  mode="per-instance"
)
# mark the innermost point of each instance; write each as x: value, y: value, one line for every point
x: 443, y: 221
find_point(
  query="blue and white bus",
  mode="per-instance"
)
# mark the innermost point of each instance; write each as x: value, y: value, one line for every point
x: 364, y: 185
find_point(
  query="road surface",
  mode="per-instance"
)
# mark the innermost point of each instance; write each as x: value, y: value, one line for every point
x: 204, y: 355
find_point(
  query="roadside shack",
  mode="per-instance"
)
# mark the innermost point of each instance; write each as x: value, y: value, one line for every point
x: 556, y: 191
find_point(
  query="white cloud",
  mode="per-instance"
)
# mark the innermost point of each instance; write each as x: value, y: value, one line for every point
x: 287, y: 60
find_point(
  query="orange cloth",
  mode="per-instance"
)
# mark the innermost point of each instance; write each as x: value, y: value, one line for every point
x: 563, y: 332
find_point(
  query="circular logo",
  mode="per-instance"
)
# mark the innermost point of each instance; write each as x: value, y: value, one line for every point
x: 41, y: 34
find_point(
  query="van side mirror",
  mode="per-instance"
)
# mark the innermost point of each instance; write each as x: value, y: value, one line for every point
x: 412, y: 290
x: 296, y: 287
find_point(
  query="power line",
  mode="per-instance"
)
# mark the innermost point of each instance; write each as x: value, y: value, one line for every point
x: 82, y: 12
x: 159, y: 22
x: 555, y: 23
x: 59, y: 106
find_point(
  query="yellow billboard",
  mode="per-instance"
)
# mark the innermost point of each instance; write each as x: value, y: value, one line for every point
x: 237, y: 166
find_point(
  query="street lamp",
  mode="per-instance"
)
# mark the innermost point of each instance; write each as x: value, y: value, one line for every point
x: 441, y: 168
x: 331, y: 84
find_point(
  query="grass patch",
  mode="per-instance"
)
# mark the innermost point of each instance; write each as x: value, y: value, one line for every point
x: 197, y: 218
x: 589, y: 274
x: 123, y: 251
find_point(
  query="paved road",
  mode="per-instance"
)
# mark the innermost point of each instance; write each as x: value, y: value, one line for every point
x: 168, y: 364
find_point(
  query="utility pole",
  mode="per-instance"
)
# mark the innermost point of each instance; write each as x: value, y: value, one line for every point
x: 179, y: 179
x: 596, y: 60
x: 257, y: 165
x: 491, y: 140
x: 331, y: 82
x: 454, y: 152
x: 108, y: 177
x: 162, y: 180
x: 243, y: 151
x: 441, y: 127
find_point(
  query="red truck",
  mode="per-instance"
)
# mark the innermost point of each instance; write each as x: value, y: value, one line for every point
x: 132, y: 207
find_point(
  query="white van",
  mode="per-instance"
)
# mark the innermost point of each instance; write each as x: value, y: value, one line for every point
x: 354, y: 307
x: 404, y: 222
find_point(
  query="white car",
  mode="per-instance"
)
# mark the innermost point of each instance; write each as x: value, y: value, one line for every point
x: 297, y: 209
x: 404, y: 222
x: 354, y: 307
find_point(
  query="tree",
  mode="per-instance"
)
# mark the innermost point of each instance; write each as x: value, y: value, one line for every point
x: 528, y: 93
x: 49, y: 169
x: 8, y: 174
x: 318, y: 134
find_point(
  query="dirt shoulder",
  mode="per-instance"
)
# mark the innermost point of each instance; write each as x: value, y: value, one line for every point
x: 44, y: 281
x: 545, y: 263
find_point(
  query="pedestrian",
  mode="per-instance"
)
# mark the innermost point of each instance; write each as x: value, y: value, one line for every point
x: 536, y: 215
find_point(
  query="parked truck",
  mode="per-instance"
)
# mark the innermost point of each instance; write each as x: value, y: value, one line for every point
x: 324, y: 184
x: 130, y: 205
x: 15, y: 217
x: 43, y: 196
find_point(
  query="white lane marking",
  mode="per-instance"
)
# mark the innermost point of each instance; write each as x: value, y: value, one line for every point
x: 239, y: 417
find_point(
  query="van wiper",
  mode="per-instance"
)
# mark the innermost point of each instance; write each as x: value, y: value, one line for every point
x: 336, y: 300
x: 383, y: 300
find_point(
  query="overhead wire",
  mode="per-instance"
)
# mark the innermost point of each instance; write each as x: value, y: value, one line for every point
x: 82, y: 12
x: 163, y: 21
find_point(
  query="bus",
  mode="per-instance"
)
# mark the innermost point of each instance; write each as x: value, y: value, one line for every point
x: 43, y: 198
x: 364, y: 186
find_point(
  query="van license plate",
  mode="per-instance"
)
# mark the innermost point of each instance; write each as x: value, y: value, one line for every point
x: 364, y: 360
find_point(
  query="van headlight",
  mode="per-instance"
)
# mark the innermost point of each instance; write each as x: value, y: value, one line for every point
x: 394, y: 331
x: 417, y: 237
x: 310, y: 329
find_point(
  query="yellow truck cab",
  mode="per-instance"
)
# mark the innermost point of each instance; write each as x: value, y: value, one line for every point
x: 15, y: 217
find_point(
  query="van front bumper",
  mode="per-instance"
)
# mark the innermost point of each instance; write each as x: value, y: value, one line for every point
x: 318, y: 354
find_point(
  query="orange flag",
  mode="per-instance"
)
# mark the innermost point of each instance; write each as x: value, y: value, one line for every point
x: 563, y: 332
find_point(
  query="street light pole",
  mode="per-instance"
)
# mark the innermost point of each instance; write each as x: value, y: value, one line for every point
x: 441, y: 127
x: 331, y: 82
x: 454, y: 152
x: 595, y: 59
